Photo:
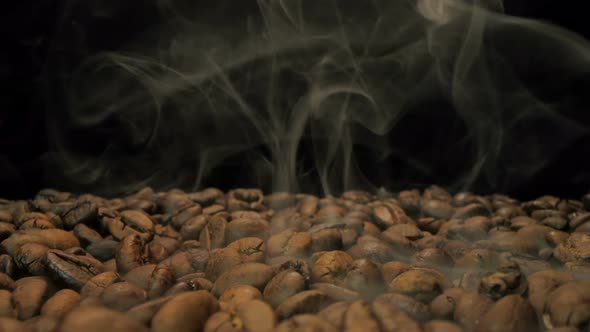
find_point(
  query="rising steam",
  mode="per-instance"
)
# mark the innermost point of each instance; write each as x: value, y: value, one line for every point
x: 291, y: 90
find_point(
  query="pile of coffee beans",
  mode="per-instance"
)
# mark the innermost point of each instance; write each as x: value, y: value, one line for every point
x: 244, y: 261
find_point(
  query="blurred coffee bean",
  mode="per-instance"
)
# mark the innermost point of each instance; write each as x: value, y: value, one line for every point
x: 160, y: 280
x: 29, y: 295
x: 420, y: 283
x: 254, y: 274
x: 331, y: 267
x: 130, y: 253
x: 103, y: 250
x: 415, y: 309
x: 508, y: 279
x: 86, y: 235
x: 52, y: 238
x: 304, y: 323
x: 61, y: 302
x: 575, y: 248
x: 512, y: 313
x: 568, y: 305
x: 98, y: 319
x: 121, y: 296
x: 185, y: 312
x: 364, y: 277
x: 470, y: 309
x: 6, y: 307
x: 282, y: 286
x: 12, y: 325
x: 214, y: 234
x: 245, y: 199
x: 437, y: 209
x: 441, y: 326
x: 31, y: 258
x: 443, y: 306
x: 96, y: 285
x: 310, y: 301
x: 253, y: 315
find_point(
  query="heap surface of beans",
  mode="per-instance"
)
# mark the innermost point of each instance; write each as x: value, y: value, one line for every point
x: 211, y: 261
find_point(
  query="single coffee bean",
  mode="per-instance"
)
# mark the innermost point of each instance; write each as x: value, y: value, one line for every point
x: 121, y: 296
x: 140, y: 275
x: 253, y: 315
x: 207, y: 196
x: 251, y: 249
x: 52, y: 238
x: 391, y: 318
x: 81, y: 212
x: 6, y: 282
x: 415, y: 309
x: 392, y: 269
x: 245, y: 199
x: 247, y: 227
x: 92, y: 318
x: 186, y: 312
x: 29, y: 295
x: 71, y: 269
x: 289, y: 243
x: 12, y: 325
x: 470, y: 310
x: 282, y: 286
x: 221, y: 260
x: 443, y: 306
x: 431, y: 257
x: 6, y: 307
x: 310, y: 301
x: 130, y: 253
x: 568, y: 305
x: 305, y: 323
x: 441, y: 326
x: 364, y: 277
x: 30, y: 258
x: 97, y: 284
x: 144, y: 312
x: 103, y: 250
x: 191, y: 228
x: 575, y: 248
x: 254, y: 274
x: 61, y: 302
x: 214, y: 234
x: 131, y: 222
x: 86, y: 235
x: 336, y: 293
x: 437, y: 209
x: 185, y: 215
x: 160, y: 280
x: 420, y: 283
x: 374, y: 249
x: 237, y: 295
x: 512, y: 313
x: 508, y: 279
x: 331, y: 267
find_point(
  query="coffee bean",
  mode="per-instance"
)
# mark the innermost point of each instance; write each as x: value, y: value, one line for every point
x: 29, y: 295
x: 52, y: 238
x: 73, y: 270
x: 254, y: 274
x: 282, y: 286
x: 12, y: 325
x: 470, y: 309
x: 121, y: 296
x: 245, y: 199
x: 364, y: 277
x: 130, y: 222
x: 437, y: 209
x: 103, y: 250
x: 222, y: 260
x: 60, y: 303
x: 185, y: 312
x: 508, y: 279
x: 140, y: 276
x: 94, y: 318
x: 443, y: 306
x: 304, y: 323
x: 568, y: 304
x: 97, y: 284
x: 253, y: 315
x: 30, y: 258
x: 441, y: 326
x: 331, y: 267
x: 511, y: 314
x: 310, y: 301
x: 214, y: 234
x: 420, y: 283
x: 130, y: 253
x: 575, y: 248
x: 6, y: 307
x: 289, y: 243
x: 81, y: 212
x: 336, y: 293
x: 415, y: 309
x: 374, y: 249
x: 86, y: 235
x: 144, y: 312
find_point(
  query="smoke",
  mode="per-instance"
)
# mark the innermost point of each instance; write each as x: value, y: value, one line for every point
x: 303, y: 95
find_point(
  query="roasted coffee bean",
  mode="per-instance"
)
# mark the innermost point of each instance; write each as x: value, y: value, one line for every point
x: 391, y: 318
x: 310, y: 301
x: 326, y: 240
x: 417, y: 310
x: 364, y: 277
x: 251, y: 249
x: 507, y: 280
x: 289, y: 243
x: 96, y: 285
x: 305, y: 323
x: 441, y: 326
x: 86, y: 235
x: 241, y: 228
x: 103, y: 250
x: 73, y: 270
x: 145, y: 312
x: 185, y: 312
x: 568, y: 305
x: 160, y: 280
x: 140, y: 275
x: 443, y: 306
x: 185, y: 215
x: 437, y: 209
x: 94, y: 318
x: 61, y: 302
x: 374, y: 249
x: 420, y: 283
x: 245, y: 199
x: 511, y: 314
x: 121, y: 296
x: 6, y: 230
x: 254, y: 274
x: 81, y: 212
x: 221, y: 260
x: 214, y: 234
x: 282, y: 286
x: 431, y: 257
x: 6, y: 282
x: 331, y: 267
x: 237, y: 295
x: 30, y: 258
x: 253, y: 315
x: 470, y: 309
x: 52, y: 238
x: 6, y: 307
x: 130, y: 253
x: 130, y: 222
x: 12, y: 325
x: 575, y: 248
x: 336, y: 293
x: 29, y: 295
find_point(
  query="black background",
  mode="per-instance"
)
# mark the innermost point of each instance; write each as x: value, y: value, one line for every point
x: 30, y: 27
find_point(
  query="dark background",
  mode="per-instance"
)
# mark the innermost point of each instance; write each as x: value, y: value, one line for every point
x: 30, y: 28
